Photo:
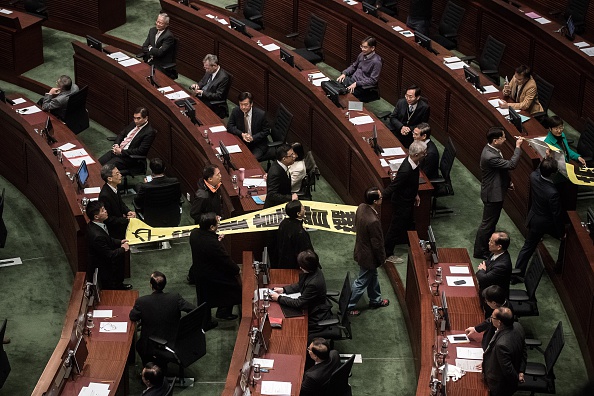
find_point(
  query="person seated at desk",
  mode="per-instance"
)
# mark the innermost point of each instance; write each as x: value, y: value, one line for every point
x: 521, y: 92
x: 429, y: 164
x: 135, y: 139
x: 312, y: 287
x: 213, y: 85
x: 119, y: 213
x: 408, y: 113
x: 159, y: 314
x: 297, y: 168
x: 292, y: 238
x: 250, y: 124
x: 105, y: 252
x: 364, y: 73
x: 494, y: 297
x: 556, y: 138
x: 326, y: 362
x: 158, y: 179
x: 159, y: 45
x: 56, y: 100
x: 154, y: 380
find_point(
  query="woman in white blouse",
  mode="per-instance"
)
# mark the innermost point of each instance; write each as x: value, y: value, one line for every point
x: 297, y: 170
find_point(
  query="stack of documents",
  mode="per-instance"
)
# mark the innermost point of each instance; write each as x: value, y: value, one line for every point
x: 361, y: 120
x: 177, y: 95
x: 468, y: 358
x: 275, y: 388
x: 393, y: 151
x: 271, y: 47
x: 164, y: 90
x: 496, y: 103
x: 29, y: 110
x: 217, y: 129
x: 234, y: 148
x: 76, y: 157
x: 385, y: 163
x: 453, y: 62
x: 95, y: 389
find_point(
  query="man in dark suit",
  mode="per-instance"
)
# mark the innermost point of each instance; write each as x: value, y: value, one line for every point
x: 408, y: 113
x: 503, y: 360
x: 154, y: 380
x: 159, y: 313
x: 105, y: 252
x: 218, y: 282
x: 495, y: 182
x: 312, y: 287
x: 326, y: 362
x: 119, y: 213
x: 159, y: 46
x: 545, y: 215
x: 278, y: 181
x: 158, y: 179
x: 135, y: 139
x: 496, y: 270
x: 250, y: 124
x: 369, y: 252
x: 403, y: 194
x: 429, y: 164
x: 214, y: 85
x: 207, y: 197
x: 292, y: 238
x: 495, y: 298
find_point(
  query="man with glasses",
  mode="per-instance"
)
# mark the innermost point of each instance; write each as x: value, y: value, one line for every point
x: 495, y: 182
x: 250, y: 125
x: 213, y: 85
x: 364, y: 73
x: 430, y: 163
x: 521, y: 92
x: 278, y: 182
x: 56, y: 100
x: 119, y: 213
x: 409, y: 112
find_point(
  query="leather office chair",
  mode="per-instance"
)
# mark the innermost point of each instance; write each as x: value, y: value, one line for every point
x: 309, y: 181
x: 220, y: 107
x: 585, y: 145
x: 578, y: 10
x: 189, y: 344
x: 538, y: 377
x: 338, y: 384
x: 3, y: 229
x: 450, y: 21
x: 170, y: 69
x: 313, y: 40
x: 443, y: 185
x: 76, y: 117
x: 388, y: 7
x: 490, y: 58
x: 138, y: 168
x: 338, y: 328
x: 545, y: 93
x: 4, y: 363
x: 171, y: 386
x: 279, y: 132
x: 253, y: 12
x: 524, y: 302
x: 161, y: 206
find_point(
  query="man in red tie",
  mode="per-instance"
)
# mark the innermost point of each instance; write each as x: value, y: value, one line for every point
x: 135, y: 139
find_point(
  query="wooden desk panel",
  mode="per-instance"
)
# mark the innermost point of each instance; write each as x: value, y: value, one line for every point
x: 20, y: 49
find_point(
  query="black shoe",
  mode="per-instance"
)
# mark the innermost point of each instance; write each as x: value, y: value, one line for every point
x: 229, y: 316
x: 6, y: 340
x: 210, y: 325
x: 125, y: 286
x: 515, y: 279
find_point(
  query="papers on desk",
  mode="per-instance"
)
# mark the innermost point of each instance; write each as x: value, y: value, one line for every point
x: 319, y: 81
x: 66, y: 146
x: 490, y: 89
x: 119, y: 56
x: 392, y: 151
x: 533, y: 15
x: 249, y: 182
x: 234, y: 148
x: 397, y: 28
x: 588, y: 51
x: 217, y: 129
x: 452, y: 59
x: 469, y: 353
x: 317, y: 75
x: 275, y: 388
x: 92, y: 190
x: 351, y: 2
x: 113, y: 327
x: 456, y: 65
x: 458, y: 338
x: 210, y: 16
x: 457, y: 281
x: 494, y: 102
x: 177, y: 95
x: 164, y: 90
x: 129, y: 62
x: 75, y: 153
x: 29, y: 110
x: 264, y: 363
x: 503, y: 112
x: 383, y: 162
x: 18, y: 101
x: 271, y: 47
x: 542, y: 21
x: 4, y: 11
x: 468, y: 365
x: 223, y: 22
x: 407, y: 33
x: 103, y: 313
x: 454, y: 269
x: 76, y: 157
x: 581, y: 44
x: 361, y: 120
x: 95, y: 389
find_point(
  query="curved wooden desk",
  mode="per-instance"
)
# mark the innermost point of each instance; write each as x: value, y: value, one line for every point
x: 21, y: 44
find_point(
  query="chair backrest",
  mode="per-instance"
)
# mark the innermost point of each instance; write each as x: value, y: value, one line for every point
x: 3, y: 229
x: 315, y: 32
x: 4, y: 363
x: 190, y: 343
x: 447, y: 160
x: 76, y: 116
x: 171, y: 386
x: 492, y: 54
x: 451, y: 19
x: 282, y: 123
x: 338, y: 384
x: 545, y: 92
x: 533, y: 275
x: 577, y: 9
x: 3, y: 331
x: 253, y: 7
x: 554, y: 348
x: 343, y: 304
x: 161, y: 205
x: 585, y: 144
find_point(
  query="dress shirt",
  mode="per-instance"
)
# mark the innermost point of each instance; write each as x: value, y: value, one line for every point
x: 136, y: 134
x: 496, y: 149
x: 495, y: 256
x: 102, y: 225
x: 412, y: 163
x: 114, y: 189
x: 248, y: 118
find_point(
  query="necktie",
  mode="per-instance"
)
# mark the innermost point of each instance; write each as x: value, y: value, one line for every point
x: 205, y: 87
x: 104, y: 228
x: 410, y: 109
x: 518, y: 93
x: 247, y: 124
x: 129, y: 138
x: 157, y: 36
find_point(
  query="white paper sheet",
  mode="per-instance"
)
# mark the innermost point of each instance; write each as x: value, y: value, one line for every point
x: 99, y: 387
x: 361, y: 120
x: 351, y: 2
x: 102, y: 313
x: 454, y: 269
x: 216, y: 129
x: 456, y: 65
x: 130, y: 62
x: 234, y: 148
x: 467, y: 279
x: 397, y: 28
x: 113, y: 327
x: 264, y: 363
x: 92, y: 190
x: 75, y: 153
x: 78, y: 160
x: 275, y: 388
x: 271, y: 47
x: 407, y: 33
x: 319, y: 81
x: 588, y: 51
x: 469, y: 353
x: 210, y: 16
x: 248, y: 182
x: 29, y: 110
x: 383, y: 162
x: 504, y: 112
x: 66, y: 146
x: 119, y: 56
x: 165, y: 89
x: 451, y: 59
x: 7, y: 12
x: 490, y: 89
x: 390, y: 151
x: 177, y: 95
x: 316, y: 75
x: 18, y: 101
x: 223, y: 22
x: 581, y: 44
x: 542, y: 21
x: 494, y: 102
x: 452, y: 338
x: 468, y: 365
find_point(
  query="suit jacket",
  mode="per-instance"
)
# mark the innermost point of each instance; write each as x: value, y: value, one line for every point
x: 157, y: 182
x: 400, y: 116
x: 259, y: 127
x: 498, y: 273
x: 315, y: 377
x: 494, y: 173
x: 159, y: 313
x: 552, y: 140
x: 528, y: 97
x: 545, y: 212
x: 141, y: 143
x: 488, y: 329
x: 291, y: 240
x: 430, y: 164
x: 369, y: 241
x: 161, y: 51
x: 107, y: 254
x: 57, y: 104
x: 116, y: 210
x: 403, y: 190
x: 278, y: 186
x: 502, y: 361
x: 217, y: 87
x: 205, y: 201
x: 157, y: 390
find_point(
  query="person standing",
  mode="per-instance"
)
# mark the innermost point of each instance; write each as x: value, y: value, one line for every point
x: 369, y: 252
x: 409, y: 112
x: 158, y: 48
x: 495, y: 182
x: 278, y: 182
x: 119, y: 213
x: 429, y: 164
x: 292, y: 238
x: 496, y: 270
x: 207, y: 197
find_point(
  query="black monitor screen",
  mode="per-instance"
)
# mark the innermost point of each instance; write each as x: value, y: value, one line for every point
x: 287, y: 57
x: 515, y: 119
x: 433, y: 244
x: 82, y: 174
x: 49, y: 128
x: 445, y: 316
x: 4, y: 99
x: 94, y: 43
x: 570, y: 28
x: 236, y: 24
x: 472, y: 77
x: 424, y: 41
x: 369, y: 9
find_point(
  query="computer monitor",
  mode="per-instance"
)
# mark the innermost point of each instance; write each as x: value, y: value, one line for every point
x: 191, y: 112
x: 82, y: 175
x: 515, y: 119
x: 59, y: 380
x: 265, y: 267
x: 94, y: 43
x: 570, y: 28
x: 151, y: 77
x: 332, y: 93
x: 472, y: 77
x: 370, y: 9
x: 48, y: 131
x: 95, y: 295
x: 236, y: 24
x: 226, y: 156
x: 287, y: 57
x: 376, y: 147
x: 424, y: 42
x: 265, y: 331
x: 445, y: 317
x: 78, y: 355
x: 590, y: 220
x: 433, y: 246
x: 4, y: 99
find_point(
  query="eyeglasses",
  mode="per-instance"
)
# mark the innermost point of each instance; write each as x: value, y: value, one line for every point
x: 364, y: 46
x: 409, y: 96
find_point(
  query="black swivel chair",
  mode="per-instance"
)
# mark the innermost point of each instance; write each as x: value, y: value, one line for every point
x: 171, y: 386
x: 338, y: 384
x: 161, y: 206
x: 279, y: 132
x: 4, y: 363
x: 450, y: 21
x: 443, y: 185
x: 490, y: 58
x: 220, y: 107
x: 253, y: 12
x: 313, y: 40
x: 3, y: 229
x: 538, y: 377
x: 545, y: 93
x: 388, y: 7
x: 338, y: 328
x: 309, y: 181
x: 76, y: 117
x: 170, y: 69
x: 578, y: 10
x: 585, y: 145
x: 189, y: 345
x: 524, y: 302
x: 138, y: 168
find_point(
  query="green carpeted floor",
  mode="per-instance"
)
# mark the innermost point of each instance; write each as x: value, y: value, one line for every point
x: 35, y: 294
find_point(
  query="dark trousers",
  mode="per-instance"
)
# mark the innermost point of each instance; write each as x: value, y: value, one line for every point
x: 402, y: 221
x: 530, y: 245
x: 491, y: 213
x: 111, y: 158
x: 359, y: 92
